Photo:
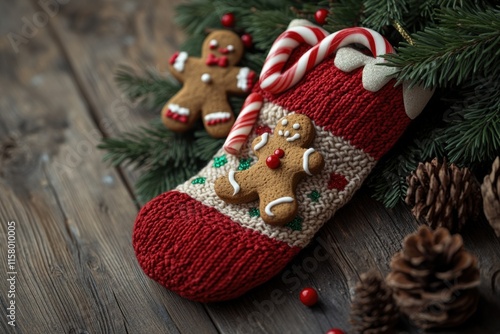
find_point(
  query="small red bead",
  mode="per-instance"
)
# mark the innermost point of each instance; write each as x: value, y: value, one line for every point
x: 227, y: 20
x: 320, y: 15
x: 273, y: 162
x: 335, y: 331
x: 247, y: 40
x: 308, y: 296
x: 279, y: 153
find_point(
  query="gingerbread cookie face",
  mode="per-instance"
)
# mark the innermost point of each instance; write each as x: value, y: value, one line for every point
x: 223, y: 44
x: 284, y: 159
x: 295, y: 130
x: 207, y: 82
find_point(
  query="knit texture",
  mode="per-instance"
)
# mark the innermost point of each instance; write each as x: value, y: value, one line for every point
x: 204, y: 249
x: 189, y: 243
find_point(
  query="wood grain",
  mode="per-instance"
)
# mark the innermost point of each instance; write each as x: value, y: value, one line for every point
x: 74, y: 215
x: 77, y: 270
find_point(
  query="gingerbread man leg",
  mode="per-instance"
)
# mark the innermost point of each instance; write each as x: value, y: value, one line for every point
x: 236, y: 187
x: 277, y: 208
x: 217, y: 115
x: 182, y: 111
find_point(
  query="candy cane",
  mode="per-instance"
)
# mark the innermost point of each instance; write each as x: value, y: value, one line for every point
x: 244, y: 123
x: 271, y: 78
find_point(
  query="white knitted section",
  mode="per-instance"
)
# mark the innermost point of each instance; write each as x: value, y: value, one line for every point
x: 340, y: 157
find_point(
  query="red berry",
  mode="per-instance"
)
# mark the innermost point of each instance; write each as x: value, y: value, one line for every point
x: 320, y: 15
x: 247, y: 40
x: 227, y: 20
x: 279, y: 153
x: 273, y: 162
x: 335, y: 331
x: 308, y: 296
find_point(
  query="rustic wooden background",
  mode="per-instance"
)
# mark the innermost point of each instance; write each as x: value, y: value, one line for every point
x: 76, y: 267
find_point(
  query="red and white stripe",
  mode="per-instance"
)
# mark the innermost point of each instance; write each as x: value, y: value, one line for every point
x: 244, y: 123
x: 274, y: 81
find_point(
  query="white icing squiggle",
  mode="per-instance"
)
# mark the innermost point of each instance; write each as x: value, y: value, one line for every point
x: 242, y: 78
x: 276, y: 202
x: 296, y: 126
x: 180, y: 61
x: 305, y: 160
x: 294, y: 137
x: 284, y: 122
x: 233, y: 182
x: 262, y: 142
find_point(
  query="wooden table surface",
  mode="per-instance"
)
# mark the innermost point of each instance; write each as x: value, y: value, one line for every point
x: 76, y: 270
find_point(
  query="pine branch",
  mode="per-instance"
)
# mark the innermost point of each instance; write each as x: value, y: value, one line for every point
x: 344, y: 14
x: 159, y: 179
x: 195, y: 16
x: 266, y: 25
x: 462, y: 45
x: 151, y: 90
x: 472, y: 133
x: 381, y: 13
x: 164, y: 158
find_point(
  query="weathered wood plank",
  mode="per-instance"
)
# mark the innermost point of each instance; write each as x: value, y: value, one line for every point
x: 76, y: 269
x: 97, y: 36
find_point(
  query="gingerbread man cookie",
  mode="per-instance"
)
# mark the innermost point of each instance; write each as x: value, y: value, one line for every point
x: 207, y: 81
x: 283, y: 160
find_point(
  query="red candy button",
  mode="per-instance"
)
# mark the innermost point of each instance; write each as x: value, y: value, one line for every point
x: 273, y: 162
x: 279, y: 153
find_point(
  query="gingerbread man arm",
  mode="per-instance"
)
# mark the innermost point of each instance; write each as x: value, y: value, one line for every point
x: 259, y: 143
x: 236, y: 187
x: 180, y: 65
x: 239, y: 80
x: 312, y: 162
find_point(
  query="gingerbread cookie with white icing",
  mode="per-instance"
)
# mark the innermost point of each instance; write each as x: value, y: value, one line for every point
x: 206, y: 83
x: 284, y: 159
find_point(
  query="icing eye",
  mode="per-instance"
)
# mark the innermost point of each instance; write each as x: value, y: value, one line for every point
x: 213, y: 44
x: 230, y: 48
x: 296, y: 126
x: 284, y: 122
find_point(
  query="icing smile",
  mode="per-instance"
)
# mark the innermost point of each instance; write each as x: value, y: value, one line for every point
x: 287, y: 133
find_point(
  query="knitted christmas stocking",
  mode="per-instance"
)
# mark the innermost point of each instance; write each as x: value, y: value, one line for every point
x: 194, y: 243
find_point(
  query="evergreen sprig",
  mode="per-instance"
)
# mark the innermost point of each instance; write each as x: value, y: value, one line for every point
x: 464, y: 44
x: 165, y: 158
x: 150, y: 89
x: 344, y: 14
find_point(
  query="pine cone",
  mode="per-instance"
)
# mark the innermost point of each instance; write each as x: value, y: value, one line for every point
x: 434, y: 279
x: 373, y: 309
x: 444, y: 195
x: 491, y: 196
